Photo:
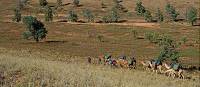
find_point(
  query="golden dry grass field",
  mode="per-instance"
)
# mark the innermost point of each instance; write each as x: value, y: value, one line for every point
x: 60, y: 60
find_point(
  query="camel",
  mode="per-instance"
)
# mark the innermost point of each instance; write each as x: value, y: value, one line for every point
x: 173, y: 72
x: 146, y: 65
x: 122, y: 63
x: 102, y: 59
x: 149, y: 65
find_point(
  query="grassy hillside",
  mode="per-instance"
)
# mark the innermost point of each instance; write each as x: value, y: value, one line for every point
x: 20, y: 69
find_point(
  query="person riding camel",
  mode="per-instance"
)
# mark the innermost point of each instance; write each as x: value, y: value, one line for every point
x: 175, y: 65
x: 107, y: 58
x: 132, y: 62
x: 122, y: 57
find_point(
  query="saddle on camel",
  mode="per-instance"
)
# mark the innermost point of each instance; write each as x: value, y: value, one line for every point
x: 156, y: 65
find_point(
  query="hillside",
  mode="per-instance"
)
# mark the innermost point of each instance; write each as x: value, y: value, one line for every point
x: 61, y: 58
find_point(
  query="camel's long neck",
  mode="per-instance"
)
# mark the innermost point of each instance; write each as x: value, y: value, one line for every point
x: 167, y: 66
x: 142, y: 62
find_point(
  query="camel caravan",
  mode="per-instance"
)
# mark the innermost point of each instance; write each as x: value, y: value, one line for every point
x: 172, y: 69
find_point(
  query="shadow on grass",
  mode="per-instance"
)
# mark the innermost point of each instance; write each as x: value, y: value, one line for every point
x: 45, y: 42
x: 55, y: 41
x: 66, y: 4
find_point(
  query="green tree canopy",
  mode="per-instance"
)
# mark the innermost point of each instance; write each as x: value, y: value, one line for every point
x: 35, y: 29
x: 140, y: 9
x: 171, y: 11
x: 191, y: 15
x: 48, y: 13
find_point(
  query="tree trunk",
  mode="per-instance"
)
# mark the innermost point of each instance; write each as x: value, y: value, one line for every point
x: 37, y: 40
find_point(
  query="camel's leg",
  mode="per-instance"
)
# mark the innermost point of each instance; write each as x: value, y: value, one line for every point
x: 180, y: 73
x: 160, y: 69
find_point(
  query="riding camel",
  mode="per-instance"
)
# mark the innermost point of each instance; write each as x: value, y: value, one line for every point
x: 174, y: 72
x: 152, y: 66
x: 101, y: 59
x: 146, y: 65
x: 124, y: 63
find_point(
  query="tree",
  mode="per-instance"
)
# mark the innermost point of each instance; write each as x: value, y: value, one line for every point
x: 43, y: 2
x: 191, y: 15
x: 119, y: 6
x: 35, y: 29
x: 88, y: 14
x: 140, y: 9
x: 76, y: 3
x: 103, y: 5
x: 169, y: 49
x: 148, y: 16
x: 17, y: 15
x: 159, y: 16
x: 171, y: 11
x: 48, y: 13
x: 72, y: 17
x: 113, y: 16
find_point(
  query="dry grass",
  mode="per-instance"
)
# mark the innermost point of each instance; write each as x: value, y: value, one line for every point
x: 34, y: 71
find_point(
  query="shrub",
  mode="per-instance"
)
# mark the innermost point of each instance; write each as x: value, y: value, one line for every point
x: 168, y: 49
x: 112, y: 17
x: 48, y: 13
x: 100, y: 38
x: 22, y: 3
x: 159, y: 16
x: 191, y: 15
x: 119, y: 6
x: 76, y: 2
x: 184, y: 39
x: 148, y: 16
x: 88, y: 14
x: 43, y: 2
x: 17, y: 15
x: 72, y: 17
x: 135, y: 33
x: 152, y: 37
x: 35, y: 29
x: 140, y: 9
x: 170, y: 10
x: 103, y: 5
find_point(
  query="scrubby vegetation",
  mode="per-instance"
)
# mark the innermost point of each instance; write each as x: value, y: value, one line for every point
x: 148, y: 16
x: 140, y: 9
x: 159, y: 15
x: 113, y: 16
x: 43, y: 3
x: 48, y: 13
x: 191, y: 15
x: 171, y: 11
x: 76, y: 2
x: 88, y: 15
x: 72, y: 16
x: 17, y: 15
x: 35, y: 29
